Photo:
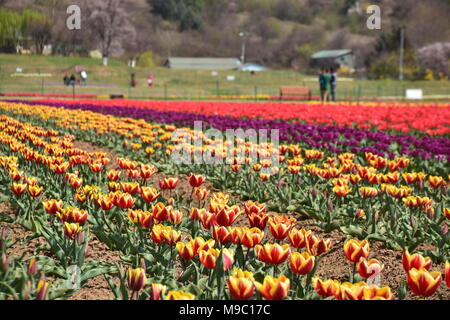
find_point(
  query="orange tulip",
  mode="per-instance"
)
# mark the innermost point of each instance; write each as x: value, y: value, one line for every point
x: 251, y: 237
x: 240, y: 284
x: 196, y: 180
x: 369, y: 268
x: 272, y: 253
x: 327, y: 288
x: 301, y: 263
x: 136, y: 279
x: 423, y: 283
x: 78, y: 216
x: 105, y: 202
x: 274, y: 288
x: 130, y: 187
x: 52, y: 206
x: 416, y: 261
x: 355, y: 249
x: 236, y: 234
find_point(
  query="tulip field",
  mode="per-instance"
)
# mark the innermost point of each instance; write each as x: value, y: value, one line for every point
x: 350, y: 202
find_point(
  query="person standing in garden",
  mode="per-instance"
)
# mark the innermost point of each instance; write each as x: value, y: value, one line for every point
x: 325, y: 85
x: 333, y: 84
x: 322, y: 84
x: 150, y: 80
x: 83, y: 77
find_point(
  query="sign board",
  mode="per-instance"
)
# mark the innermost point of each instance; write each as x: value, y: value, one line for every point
x: 231, y: 78
x: 214, y: 73
x: 414, y: 94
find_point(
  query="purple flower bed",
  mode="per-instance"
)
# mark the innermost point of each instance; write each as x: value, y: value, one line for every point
x: 335, y: 139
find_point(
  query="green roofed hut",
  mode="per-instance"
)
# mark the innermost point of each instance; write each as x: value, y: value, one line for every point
x: 203, y: 63
x: 333, y: 59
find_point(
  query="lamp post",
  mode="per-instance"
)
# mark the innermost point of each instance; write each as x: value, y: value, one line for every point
x: 244, y: 36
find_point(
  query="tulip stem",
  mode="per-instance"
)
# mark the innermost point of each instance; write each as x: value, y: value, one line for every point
x: 353, y: 273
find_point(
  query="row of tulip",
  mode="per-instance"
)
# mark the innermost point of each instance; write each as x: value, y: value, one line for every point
x: 430, y: 118
x: 129, y: 227
x: 332, y: 138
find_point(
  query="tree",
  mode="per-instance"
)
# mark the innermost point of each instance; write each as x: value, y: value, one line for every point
x: 185, y: 12
x: 435, y: 57
x: 110, y: 25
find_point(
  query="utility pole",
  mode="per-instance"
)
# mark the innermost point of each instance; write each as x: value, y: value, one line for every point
x: 244, y: 36
x: 402, y: 52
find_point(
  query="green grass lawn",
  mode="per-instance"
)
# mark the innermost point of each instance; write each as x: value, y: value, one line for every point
x: 190, y: 84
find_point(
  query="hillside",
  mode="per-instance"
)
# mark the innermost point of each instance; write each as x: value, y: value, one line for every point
x: 281, y: 33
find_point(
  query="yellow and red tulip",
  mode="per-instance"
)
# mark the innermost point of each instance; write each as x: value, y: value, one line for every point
x: 209, y: 258
x: 423, y: 283
x: 42, y: 288
x: 369, y: 268
x: 179, y: 295
x: 161, y: 212
x: 447, y: 273
x: 157, y: 291
x: 227, y: 215
x: 272, y: 253
x: 201, y: 193
x: 52, y: 206
x: 18, y: 188
x: 355, y: 250
x: 376, y: 293
x: 297, y: 238
x: 168, y: 183
x: 136, y: 279
x: 149, y: 194
x: 301, y: 263
x: 240, y: 284
x: 274, y: 288
x: 416, y: 261
x: 72, y: 229
x: 35, y: 191
x: 251, y: 237
x: 125, y: 201
x: 258, y: 220
x: 221, y: 234
x: 186, y: 250
x: 196, y: 180
x: 316, y: 246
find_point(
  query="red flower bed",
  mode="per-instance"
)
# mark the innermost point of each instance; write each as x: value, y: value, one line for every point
x: 431, y: 118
